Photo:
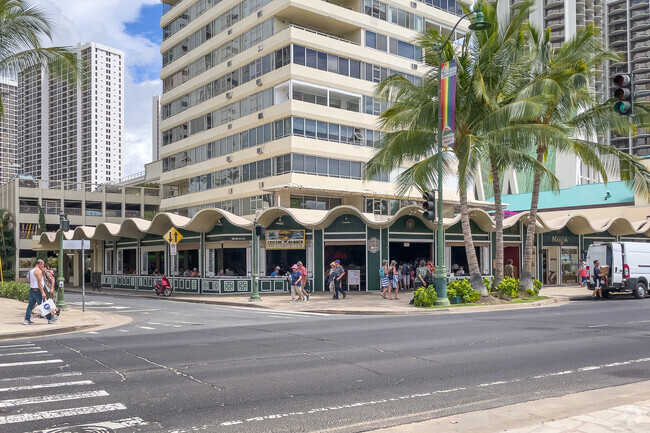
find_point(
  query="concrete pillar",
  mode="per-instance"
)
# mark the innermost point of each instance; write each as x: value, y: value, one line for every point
x: 77, y: 271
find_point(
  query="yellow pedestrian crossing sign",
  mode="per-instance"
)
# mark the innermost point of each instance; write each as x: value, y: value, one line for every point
x: 173, y: 236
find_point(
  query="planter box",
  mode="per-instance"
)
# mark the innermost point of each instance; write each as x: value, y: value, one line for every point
x: 454, y: 300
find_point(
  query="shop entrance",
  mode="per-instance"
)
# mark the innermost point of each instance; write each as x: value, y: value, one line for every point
x: 409, y: 252
x: 512, y: 253
x: 352, y: 258
x: 550, y: 268
x: 284, y: 259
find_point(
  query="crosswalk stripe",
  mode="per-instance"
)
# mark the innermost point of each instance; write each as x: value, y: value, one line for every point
x: 67, y: 374
x: 19, y: 345
x: 46, y: 385
x: 50, y: 398
x: 145, y: 327
x: 112, y: 425
x: 23, y: 353
x: 44, y: 361
x: 60, y: 413
x: 124, y: 330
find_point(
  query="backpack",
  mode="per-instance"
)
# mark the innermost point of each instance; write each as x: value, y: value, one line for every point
x: 382, y: 272
x: 428, y: 278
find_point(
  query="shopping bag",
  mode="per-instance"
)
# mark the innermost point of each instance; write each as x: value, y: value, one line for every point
x: 46, y: 307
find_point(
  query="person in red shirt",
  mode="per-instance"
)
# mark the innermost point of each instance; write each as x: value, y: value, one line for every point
x: 303, y: 272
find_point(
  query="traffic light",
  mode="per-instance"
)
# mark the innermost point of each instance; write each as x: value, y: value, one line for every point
x: 623, y: 94
x: 429, y: 205
x: 259, y: 231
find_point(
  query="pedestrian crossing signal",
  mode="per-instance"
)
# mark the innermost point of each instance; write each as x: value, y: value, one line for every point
x: 429, y: 206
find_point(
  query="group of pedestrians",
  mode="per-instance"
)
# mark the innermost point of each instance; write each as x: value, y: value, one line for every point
x: 298, y: 283
x: 41, y: 287
x: 394, y: 276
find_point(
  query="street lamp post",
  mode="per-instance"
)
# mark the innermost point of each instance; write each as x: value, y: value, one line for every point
x: 64, y: 225
x: 441, y: 270
x: 257, y: 230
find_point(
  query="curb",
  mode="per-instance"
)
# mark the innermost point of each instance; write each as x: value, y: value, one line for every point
x: 50, y: 332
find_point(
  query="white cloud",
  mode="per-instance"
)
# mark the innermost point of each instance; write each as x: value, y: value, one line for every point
x: 103, y: 21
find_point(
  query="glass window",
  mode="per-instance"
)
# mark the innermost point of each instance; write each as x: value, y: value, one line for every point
x: 332, y: 63
x: 333, y: 132
x: 310, y: 164
x: 244, y: 140
x: 343, y: 66
x: 310, y: 128
x: 267, y: 167
x: 355, y: 69
x: 279, y: 129
x: 382, y: 43
x: 334, y: 167
x: 321, y: 166
x: 298, y: 163
x: 322, y: 130
x: 344, y: 169
x: 322, y: 61
x: 355, y: 170
x: 298, y: 126
x: 371, y: 39
x: 267, y: 133
x: 311, y: 58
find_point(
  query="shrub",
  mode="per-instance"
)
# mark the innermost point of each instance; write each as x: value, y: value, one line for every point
x: 451, y: 293
x: 537, y: 286
x: 530, y: 292
x: 14, y: 290
x: 8, y: 275
x: 509, y: 287
x: 463, y: 288
x: 488, y: 283
x: 425, y: 297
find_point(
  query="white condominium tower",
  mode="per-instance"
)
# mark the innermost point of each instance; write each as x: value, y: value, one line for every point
x: 272, y: 102
x: 156, y: 136
x: 8, y: 129
x: 74, y: 132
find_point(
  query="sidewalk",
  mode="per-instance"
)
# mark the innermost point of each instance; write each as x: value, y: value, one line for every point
x: 71, y: 320
x: 358, y: 303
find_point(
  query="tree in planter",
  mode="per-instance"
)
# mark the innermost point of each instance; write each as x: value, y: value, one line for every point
x: 483, y: 118
x: 7, y: 242
x: 42, y: 228
x: 573, y: 121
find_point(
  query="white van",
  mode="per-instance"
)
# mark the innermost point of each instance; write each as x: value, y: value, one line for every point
x: 629, y: 267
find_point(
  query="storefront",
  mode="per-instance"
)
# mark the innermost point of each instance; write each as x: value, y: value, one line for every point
x: 285, y: 244
x: 345, y: 240
x: 560, y: 257
x: 456, y: 252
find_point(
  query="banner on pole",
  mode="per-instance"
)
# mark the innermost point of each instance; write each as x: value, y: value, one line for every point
x: 448, y: 101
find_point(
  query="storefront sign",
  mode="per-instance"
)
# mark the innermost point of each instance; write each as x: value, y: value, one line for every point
x: 354, y: 278
x: 285, y: 239
x: 559, y: 239
x: 373, y: 245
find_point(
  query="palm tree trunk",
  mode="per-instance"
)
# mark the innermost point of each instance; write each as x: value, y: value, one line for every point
x: 472, y: 261
x: 526, y: 267
x: 498, y: 222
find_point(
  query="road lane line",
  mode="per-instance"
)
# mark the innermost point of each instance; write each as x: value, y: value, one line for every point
x: 71, y: 373
x: 49, y: 398
x: 46, y: 385
x: 23, y: 353
x: 500, y: 382
x: 60, y: 413
x: 146, y: 327
x: 112, y: 425
x: 597, y: 326
x: 45, y: 361
x: 20, y: 345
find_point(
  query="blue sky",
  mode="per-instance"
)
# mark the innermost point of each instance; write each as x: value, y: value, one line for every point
x: 132, y: 26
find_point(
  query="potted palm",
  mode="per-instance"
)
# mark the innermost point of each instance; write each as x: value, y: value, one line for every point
x: 452, y: 296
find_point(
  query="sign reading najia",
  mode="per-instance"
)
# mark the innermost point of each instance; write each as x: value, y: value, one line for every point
x: 285, y: 239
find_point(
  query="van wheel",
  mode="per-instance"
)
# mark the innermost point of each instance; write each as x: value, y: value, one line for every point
x: 606, y: 294
x: 640, y: 291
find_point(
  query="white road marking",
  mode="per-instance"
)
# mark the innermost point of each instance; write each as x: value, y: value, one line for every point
x: 343, y: 406
x: 92, y: 332
x: 23, y: 353
x: 19, y: 345
x: 49, y: 398
x: 112, y: 425
x: 639, y: 321
x: 85, y: 410
x: 44, y: 361
x: 277, y: 317
x: 124, y: 330
x: 559, y: 373
x: 71, y: 373
x: 146, y: 327
x: 597, y: 326
x: 501, y: 382
x: 46, y: 385
x: 143, y: 311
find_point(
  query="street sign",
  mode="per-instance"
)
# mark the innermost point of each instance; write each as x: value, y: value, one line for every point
x: 76, y: 245
x: 172, y: 249
x: 173, y: 236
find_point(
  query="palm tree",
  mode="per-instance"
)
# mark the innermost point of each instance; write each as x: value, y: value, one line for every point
x: 6, y: 226
x: 22, y: 27
x: 572, y: 122
x: 411, y: 122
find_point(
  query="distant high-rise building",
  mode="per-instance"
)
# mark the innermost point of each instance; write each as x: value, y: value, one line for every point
x: 156, y: 136
x: 8, y: 129
x: 628, y: 31
x: 74, y: 132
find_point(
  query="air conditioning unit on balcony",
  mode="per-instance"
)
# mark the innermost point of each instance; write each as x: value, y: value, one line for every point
x: 260, y: 115
x: 259, y: 14
x: 260, y: 185
x: 229, y: 64
x: 229, y: 190
x: 260, y: 47
x: 414, y: 5
x: 260, y: 150
x: 258, y: 81
x: 229, y: 32
x: 228, y: 95
x: 414, y: 65
x: 229, y: 158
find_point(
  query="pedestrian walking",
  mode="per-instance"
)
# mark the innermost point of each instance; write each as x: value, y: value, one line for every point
x: 383, y: 278
x: 296, y: 283
x: 420, y: 276
x: 339, y: 272
x: 330, y: 280
x: 393, y: 279
x: 405, y: 272
x: 50, y: 282
x: 582, y: 273
x: 597, y: 280
x: 37, y: 293
x: 303, y: 285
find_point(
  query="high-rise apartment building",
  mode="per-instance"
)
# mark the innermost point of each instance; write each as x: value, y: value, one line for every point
x: 74, y: 132
x: 628, y: 31
x: 156, y: 136
x: 272, y: 103
x: 8, y: 129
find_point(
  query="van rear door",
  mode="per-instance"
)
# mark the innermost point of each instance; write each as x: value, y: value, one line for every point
x: 597, y: 252
x: 617, y: 263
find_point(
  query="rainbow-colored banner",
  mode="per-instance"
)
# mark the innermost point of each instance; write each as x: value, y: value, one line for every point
x: 448, y: 101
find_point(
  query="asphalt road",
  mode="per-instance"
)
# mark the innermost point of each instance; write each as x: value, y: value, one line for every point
x: 183, y: 367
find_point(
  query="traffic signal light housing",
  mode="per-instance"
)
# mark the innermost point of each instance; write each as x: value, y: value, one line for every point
x: 260, y: 231
x: 429, y: 206
x: 623, y: 94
